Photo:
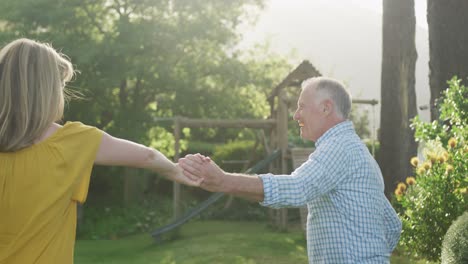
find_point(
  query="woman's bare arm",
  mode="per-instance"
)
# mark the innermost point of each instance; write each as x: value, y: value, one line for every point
x: 120, y: 152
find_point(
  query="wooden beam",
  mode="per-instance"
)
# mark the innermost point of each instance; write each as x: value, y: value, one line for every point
x: 364, y: 101
x: 293, y: 100
x: 226, y: 123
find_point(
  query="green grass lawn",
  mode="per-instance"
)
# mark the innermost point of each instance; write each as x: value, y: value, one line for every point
x: 204, y: 242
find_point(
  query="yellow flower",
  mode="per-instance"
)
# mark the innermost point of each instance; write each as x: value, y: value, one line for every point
x: 441, y: 159
x: 432, y: 158
x: 427, y: 165
x: 414, y: 161
x: 445, y: 154
x: 421, y: 170
x: 401, y: 186
x: 410, y: 180
x: 449, y: 169
x: 452, y: 142
x: 398, y: 192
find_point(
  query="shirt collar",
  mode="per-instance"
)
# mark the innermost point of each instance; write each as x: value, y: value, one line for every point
x: 335, y: 130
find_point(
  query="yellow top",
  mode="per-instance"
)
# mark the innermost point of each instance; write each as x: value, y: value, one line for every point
x: 39, y: 189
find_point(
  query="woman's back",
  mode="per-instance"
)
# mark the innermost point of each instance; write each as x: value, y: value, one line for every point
x: 43, y: 174
x: 39, y: 188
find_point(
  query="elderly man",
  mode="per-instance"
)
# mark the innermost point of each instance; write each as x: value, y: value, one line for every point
x: 350, y: 220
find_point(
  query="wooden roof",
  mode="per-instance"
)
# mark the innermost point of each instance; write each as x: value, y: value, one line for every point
x: 302, y: 72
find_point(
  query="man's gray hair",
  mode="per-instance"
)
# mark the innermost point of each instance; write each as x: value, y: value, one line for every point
x: 331, y: 89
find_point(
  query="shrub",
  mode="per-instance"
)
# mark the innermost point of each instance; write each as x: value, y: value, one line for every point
x: 455, y: 244
x: 240, y: 150
x: 112, y: 222
x: 431, y: 200
x: 205, y: 148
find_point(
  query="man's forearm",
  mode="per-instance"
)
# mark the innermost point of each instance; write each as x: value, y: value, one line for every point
x: 243, y: 185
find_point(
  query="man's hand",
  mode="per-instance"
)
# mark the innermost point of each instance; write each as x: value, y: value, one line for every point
x: 181, y: 177
x: 198, y: 166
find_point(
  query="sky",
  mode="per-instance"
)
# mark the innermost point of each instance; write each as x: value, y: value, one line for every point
x: 290, y: 28
x: 420, y: 7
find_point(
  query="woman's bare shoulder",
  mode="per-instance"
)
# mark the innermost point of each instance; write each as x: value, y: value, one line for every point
x: 49, y: 132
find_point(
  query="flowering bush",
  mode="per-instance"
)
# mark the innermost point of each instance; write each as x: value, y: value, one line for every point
x: 436, y: 195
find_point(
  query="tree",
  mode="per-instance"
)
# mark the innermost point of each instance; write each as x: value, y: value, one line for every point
x: 398, y: 96
x: 448, y: 38
x: 141, y: 59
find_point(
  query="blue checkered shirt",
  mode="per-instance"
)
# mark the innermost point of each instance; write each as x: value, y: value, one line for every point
x: 350, y: 220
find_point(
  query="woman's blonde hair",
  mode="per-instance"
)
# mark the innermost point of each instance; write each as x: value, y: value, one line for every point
x: 32, y: 81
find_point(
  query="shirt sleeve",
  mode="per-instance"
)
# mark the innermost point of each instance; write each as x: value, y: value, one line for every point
x: 392, y: 226
x: 321, y: 173
x: 80, y: 144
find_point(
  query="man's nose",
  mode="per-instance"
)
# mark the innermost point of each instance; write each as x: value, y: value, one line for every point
x: 296, y: 116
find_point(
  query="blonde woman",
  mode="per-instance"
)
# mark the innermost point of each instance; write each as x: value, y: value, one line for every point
x: 45, y: 167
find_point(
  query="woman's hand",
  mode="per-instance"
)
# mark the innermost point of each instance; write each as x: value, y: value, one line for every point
x: 180, y: 177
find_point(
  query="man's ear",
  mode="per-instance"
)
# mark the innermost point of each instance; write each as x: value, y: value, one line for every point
x: 327, y: 107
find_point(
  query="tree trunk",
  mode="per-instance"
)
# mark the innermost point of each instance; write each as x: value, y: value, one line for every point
x: 398, y: 96
x: 448, y: 39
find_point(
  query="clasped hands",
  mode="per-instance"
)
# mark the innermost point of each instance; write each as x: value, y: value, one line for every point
x: 204, y: 171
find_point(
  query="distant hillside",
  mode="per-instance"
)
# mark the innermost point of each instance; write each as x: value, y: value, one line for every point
x: 343, y: 41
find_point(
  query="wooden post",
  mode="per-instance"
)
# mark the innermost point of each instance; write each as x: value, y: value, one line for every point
x: 272, y: 168
x: 282, y: 134
x: 177, y: 188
